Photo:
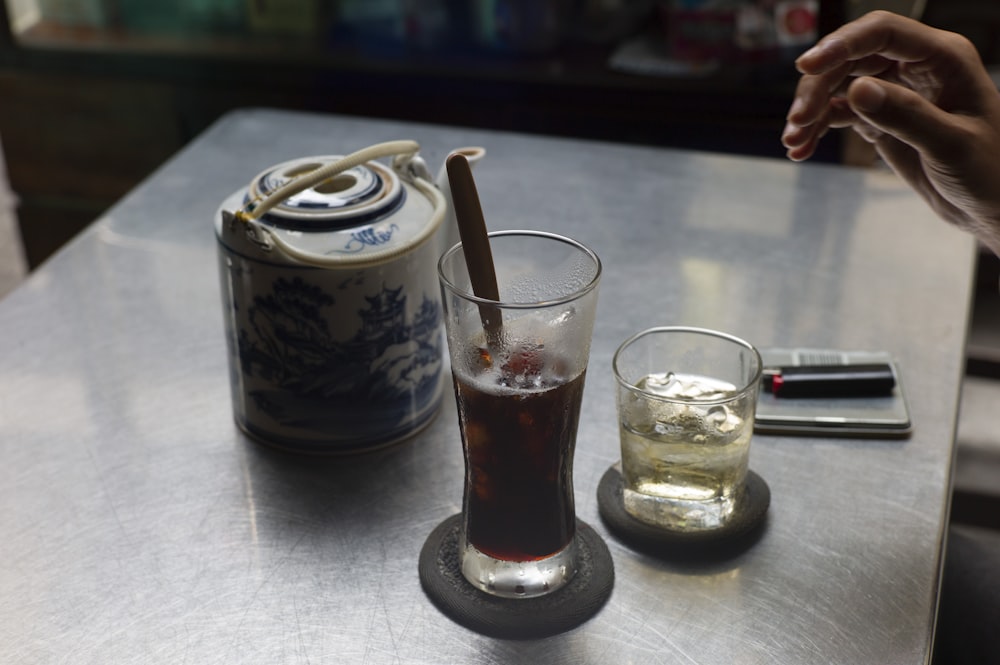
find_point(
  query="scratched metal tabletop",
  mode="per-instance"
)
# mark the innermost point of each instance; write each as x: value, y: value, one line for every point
x: 140, y: 526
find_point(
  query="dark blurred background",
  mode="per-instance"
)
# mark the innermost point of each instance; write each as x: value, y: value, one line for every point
x: 95, y: 94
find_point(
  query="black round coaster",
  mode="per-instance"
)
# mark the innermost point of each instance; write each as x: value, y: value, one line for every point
x: 742, y: 530
x: 515, y: 618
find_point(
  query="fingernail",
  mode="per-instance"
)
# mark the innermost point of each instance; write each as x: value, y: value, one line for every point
x: 867, y: 96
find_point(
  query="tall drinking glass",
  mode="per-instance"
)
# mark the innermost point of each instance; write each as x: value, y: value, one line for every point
x: 518, y: 366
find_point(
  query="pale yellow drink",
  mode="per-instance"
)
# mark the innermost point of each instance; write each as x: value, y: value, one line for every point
x: 686, y: 402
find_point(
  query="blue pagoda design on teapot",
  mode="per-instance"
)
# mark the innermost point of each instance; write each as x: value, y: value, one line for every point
x: 363, y: 385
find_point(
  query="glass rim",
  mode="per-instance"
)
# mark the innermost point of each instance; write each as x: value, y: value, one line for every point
x: 575, y: 295
x: 740, y: 390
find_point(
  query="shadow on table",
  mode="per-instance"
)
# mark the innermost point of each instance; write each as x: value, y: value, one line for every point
x: 388, y: 489
x: 700, y: 558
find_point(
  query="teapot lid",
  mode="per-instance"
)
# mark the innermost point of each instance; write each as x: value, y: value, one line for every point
x: 362, y: 214
x: 358, y: 195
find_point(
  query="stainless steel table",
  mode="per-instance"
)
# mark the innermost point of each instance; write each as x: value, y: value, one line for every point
x: 140, y: 526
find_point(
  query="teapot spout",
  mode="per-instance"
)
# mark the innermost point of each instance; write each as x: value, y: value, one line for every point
x: 448, y: 234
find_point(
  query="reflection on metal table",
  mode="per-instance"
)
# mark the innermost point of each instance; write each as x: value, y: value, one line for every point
x: 141, y: 526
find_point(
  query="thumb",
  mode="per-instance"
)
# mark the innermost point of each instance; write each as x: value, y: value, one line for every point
x: 903, y: 114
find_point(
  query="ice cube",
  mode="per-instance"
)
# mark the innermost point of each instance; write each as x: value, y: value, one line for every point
x: 659, y: 384
x: 723, y: 420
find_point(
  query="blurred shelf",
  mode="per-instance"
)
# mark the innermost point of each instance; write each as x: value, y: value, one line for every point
x: 89, y: 112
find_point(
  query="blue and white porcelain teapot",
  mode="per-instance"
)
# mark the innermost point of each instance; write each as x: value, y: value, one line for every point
x: 331, y: 300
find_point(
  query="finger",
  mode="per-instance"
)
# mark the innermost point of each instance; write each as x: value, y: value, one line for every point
x: 795, y: 135
x: 813, y: 95
x: 877, y: 33
x: 803, y: 152
x: 905, y: 115
x: 837, y: 114
x: 801, y: 142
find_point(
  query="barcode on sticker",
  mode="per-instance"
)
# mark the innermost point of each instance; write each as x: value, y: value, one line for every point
x: 820, y: 357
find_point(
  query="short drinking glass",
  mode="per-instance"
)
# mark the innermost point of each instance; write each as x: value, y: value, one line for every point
x: 686, y: 402
x: 518, y: 366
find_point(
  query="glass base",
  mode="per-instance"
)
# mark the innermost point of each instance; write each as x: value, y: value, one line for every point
x: 679, y: 514
x: 518, y: 579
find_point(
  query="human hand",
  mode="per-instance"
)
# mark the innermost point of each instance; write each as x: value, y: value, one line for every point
x: 923, y: 98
